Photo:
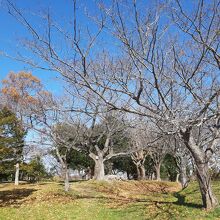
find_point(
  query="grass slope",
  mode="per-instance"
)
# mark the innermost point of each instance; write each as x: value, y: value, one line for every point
x: 104, y: 200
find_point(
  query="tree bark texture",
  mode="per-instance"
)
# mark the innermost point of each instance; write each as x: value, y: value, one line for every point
x: 99, y: 172
x: 17, y: 174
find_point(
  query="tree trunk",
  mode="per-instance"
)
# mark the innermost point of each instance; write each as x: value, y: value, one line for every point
x: 66, y: 180
x: 201, y: 159
x: 99, y: 172
x: 138, y: 158
x: 138, y: 172
x: 142, y: 175
x: 177, y: 177
x: 128, y: 175
x: 157, y: 171
x: 208, y: 198
x: 142, y: 171
x: 17, y: 174
x: 152, y: 176
x: 183, y: 177
x: 88, y: 173
x: 22, y: 175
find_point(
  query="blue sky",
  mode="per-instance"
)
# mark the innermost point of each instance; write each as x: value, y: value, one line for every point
x: 62, y: 10
x: 12, y: 31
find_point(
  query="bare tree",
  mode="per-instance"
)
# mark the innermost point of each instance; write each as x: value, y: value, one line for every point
x: 157, y: 154
x: 65, y: 139
x: 142, y: 137
x: 183, y: 160
x: 183, y: 100
x: 106, y: 138
x: 138, y: 159
x: 171, y: 80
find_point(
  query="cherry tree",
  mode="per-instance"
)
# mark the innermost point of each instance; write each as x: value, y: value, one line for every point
x: 170, y: 78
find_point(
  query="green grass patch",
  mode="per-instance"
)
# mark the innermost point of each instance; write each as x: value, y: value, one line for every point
x: 104, y: 200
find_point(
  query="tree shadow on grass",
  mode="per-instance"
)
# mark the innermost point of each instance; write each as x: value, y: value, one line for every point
x: 72, y: 181
x: 163, y: 209
x: 181, y: 201
x: 14, y: 197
